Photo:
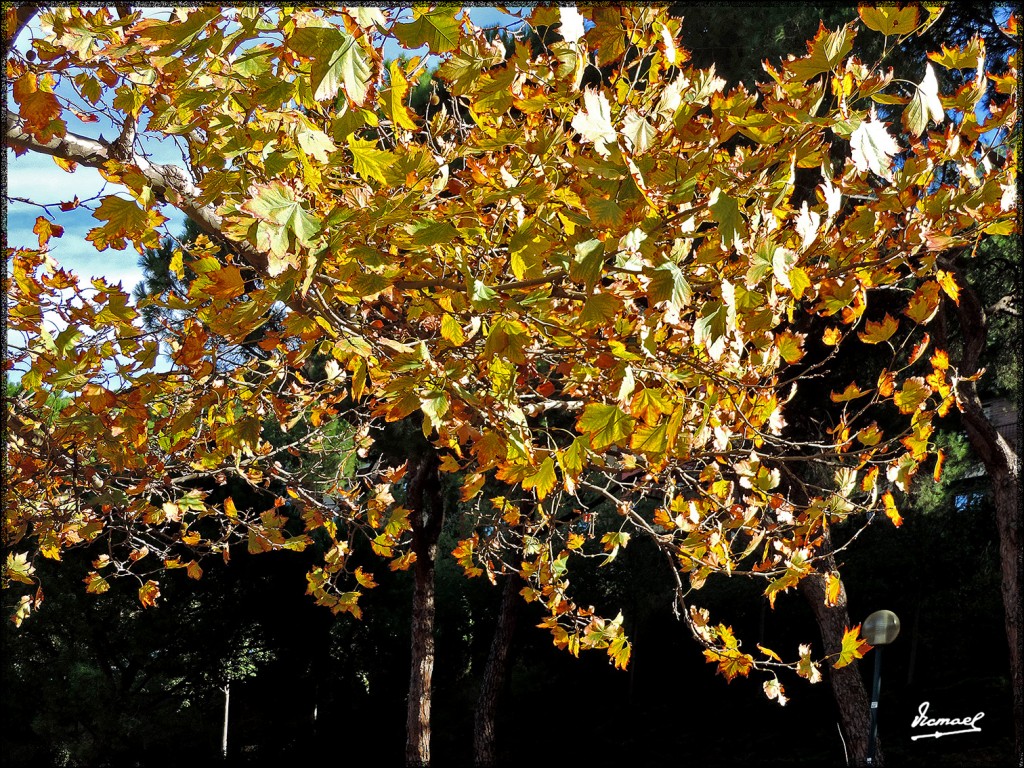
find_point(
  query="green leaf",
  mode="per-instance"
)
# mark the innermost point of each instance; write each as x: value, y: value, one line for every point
x: 368, y: 161
x: 605, y: 425
x: 481, y: 295
x: 605, y: 212
x: 338, y: 60
x: 711, y: 326
x: 124, y: 219
x: 426, y: 232
x: 651, y: 440
x: 600, y: 309
x: 669, y: 284
x: 277, y: 208
x: 726, y: 212
x: 790, y: 346
x: 434, y: 406
x: 586, y: 266
x: 437, y: 28
x: 19, y: 568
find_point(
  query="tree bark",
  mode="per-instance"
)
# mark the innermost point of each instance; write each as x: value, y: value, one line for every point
x: 426, y: 516
x: 848, y: 689
x: 495, y: 674
x: 1001, y: 462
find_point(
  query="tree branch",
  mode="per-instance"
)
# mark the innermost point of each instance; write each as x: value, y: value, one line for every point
x: 1007, y: 305
x: 23, y: 15
x: 163, y: 179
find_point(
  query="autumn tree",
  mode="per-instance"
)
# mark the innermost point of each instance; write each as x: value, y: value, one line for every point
x: 598, y: 298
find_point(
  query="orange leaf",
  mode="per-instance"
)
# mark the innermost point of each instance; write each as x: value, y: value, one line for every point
x: 940, y: 459
x: 890, y: 509
x: 46, y: 229
x: 38, y: 107
x: 148, y: 593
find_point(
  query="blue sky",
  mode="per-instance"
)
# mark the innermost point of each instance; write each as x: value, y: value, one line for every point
x: 36, y: 177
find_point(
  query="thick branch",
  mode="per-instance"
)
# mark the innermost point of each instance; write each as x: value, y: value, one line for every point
x: 23, y: 16
x: 1007, y: 305
x: 162, y: 178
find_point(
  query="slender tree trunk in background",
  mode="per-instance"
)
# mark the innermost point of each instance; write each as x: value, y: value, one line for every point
x: 227, y: 705
x: 848, y: 689
x: 495, y: 674
x: 427, y: 516
x: 1002, y: 466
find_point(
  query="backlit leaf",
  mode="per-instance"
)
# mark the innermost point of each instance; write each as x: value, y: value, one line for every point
x: 606, y: 425
x: 889, y: 505
x: 338, y: 61
x: 594, y: 123
x: 854, y: 647
x: 877, y: 332
x: 889, y: 20
x: 368, y: 161
x: 543, y: 480
x: 437, y: 28
x: 873, y: 148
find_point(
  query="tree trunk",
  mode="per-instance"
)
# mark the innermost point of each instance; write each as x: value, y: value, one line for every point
x: 227, y: 710
x: 848, y: 689
x: 1001, y: 464
x: 495, y: 674
x: 426, y: 515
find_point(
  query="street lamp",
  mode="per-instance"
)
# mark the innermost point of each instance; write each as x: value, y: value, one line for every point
x: 880, y: 628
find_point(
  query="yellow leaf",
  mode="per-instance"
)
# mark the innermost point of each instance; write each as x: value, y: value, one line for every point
x: 790, y: 345
x: 913, y: 395
x: 833, y: 584
x: 852, y: 392
x: 451, y: 331
x: 923, y: 304
x: 949, y: 285
x: 402, y: 563
x: 365, y: 579
x: 890, y: 20
x: 877, y: 332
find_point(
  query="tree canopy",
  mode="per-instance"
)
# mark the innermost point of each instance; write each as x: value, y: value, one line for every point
x: 594, y: 296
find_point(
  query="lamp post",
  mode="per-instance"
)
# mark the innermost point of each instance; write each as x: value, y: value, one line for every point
x: 880, y: 628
